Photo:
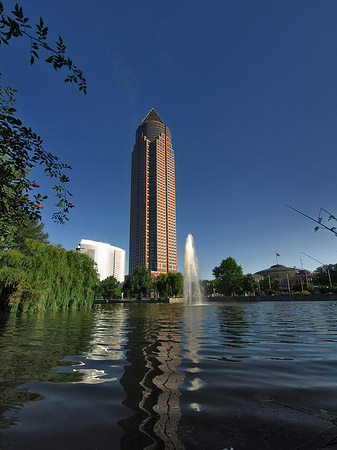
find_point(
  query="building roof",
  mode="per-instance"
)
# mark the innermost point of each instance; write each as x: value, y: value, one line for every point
x: 277, y: 269
x: 99, y: 245
x: 152, y: 115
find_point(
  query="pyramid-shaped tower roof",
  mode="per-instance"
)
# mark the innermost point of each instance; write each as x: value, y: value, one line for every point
x: 152, y: 115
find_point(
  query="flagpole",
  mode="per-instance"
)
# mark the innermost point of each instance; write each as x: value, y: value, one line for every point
x: 277, y: 264
x: 276, y: 257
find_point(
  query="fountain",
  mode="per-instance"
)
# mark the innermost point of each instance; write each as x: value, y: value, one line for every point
x: 192, y: 292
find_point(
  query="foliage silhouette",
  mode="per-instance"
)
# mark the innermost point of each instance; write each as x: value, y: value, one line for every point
x: 20, y: 148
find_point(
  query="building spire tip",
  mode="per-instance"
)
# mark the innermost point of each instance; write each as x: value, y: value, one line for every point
x: 153, y: 115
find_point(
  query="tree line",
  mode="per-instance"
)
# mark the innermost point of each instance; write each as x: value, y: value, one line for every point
x: 139, y: 284
x: 36, y: 276
x: 229, y: 280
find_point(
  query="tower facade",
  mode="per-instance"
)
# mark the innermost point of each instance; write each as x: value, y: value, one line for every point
x: 153, y: 207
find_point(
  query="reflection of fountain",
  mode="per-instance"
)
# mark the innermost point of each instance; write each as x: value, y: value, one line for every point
x: 194, y: 329
x: 192, y: 291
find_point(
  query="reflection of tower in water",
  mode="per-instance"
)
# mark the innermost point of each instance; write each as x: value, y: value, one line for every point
x: 151, y: 381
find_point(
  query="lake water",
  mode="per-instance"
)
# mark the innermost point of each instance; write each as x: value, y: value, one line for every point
x: 259, y: 375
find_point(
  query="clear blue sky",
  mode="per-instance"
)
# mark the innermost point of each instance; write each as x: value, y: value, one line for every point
x: 249, y: 92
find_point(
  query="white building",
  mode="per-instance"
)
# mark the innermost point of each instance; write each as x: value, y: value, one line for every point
x: 110, y: 260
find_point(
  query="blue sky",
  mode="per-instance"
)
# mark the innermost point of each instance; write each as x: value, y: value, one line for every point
x: 249, y: 92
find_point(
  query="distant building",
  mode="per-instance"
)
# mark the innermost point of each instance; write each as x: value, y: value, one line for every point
x: 153, y: 204
x: 286, y: 276
x: 110, y: 260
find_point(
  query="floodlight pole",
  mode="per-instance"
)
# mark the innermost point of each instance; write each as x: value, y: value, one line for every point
x: 320, y: 262
x: 332, y: 229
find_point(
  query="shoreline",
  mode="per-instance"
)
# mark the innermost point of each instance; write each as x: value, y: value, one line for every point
x: 274, y: 298
x: 250, y: 298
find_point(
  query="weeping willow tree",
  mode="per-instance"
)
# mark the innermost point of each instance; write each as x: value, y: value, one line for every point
x: 45, y: 277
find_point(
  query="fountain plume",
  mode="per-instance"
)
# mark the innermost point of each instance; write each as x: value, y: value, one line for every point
x: 192, y: 292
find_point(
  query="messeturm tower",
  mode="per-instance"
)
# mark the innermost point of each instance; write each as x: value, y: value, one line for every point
x: 153, y: 208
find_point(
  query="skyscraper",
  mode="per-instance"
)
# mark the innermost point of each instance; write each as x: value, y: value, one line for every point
x: 153, y: 209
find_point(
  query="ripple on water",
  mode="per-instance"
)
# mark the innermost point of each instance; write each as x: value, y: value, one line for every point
x: 259, y: 375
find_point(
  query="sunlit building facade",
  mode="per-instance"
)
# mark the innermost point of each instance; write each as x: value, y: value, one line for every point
x: 153, y: 206
x: 110, y: 260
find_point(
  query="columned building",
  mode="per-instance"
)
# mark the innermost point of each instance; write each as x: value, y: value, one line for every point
x: 153, y: 208
x: 286, y: 276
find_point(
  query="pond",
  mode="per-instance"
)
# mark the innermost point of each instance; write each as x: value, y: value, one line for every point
x: 258, y: 375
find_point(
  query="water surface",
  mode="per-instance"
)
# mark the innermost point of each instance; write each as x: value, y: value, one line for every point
x: 259, y: 375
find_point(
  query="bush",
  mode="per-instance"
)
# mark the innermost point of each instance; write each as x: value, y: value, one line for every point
x: 308, y: 288
x: 325, y: 289
x: 270, y: 292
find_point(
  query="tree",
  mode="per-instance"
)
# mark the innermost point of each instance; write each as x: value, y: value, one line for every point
x: 117, y: 293
x: 20, y: 151
x: 169, y: 285
x: 322, y: 274
x: 269, y: 285
x: 30, y: 229
x: 45, y: 277
x: 20, y: 148
x: 250, y: 286
x: 139, y: 283
x: 15, y: 24
x: 109, y: 288
x: 162, y: 285
x: 229, y: 277
x: 175, y: 282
